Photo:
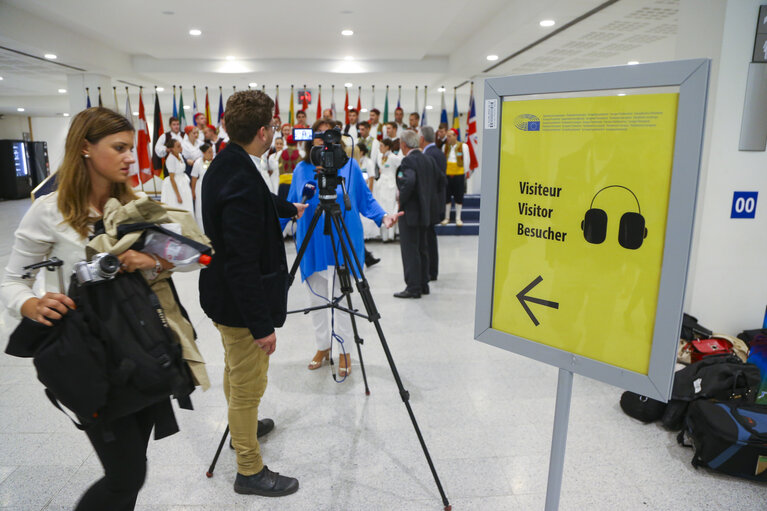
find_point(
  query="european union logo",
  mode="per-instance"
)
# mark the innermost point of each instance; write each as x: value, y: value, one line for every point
x: 527, y: 122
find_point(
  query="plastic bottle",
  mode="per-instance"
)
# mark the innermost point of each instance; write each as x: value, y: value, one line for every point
x: 172, y: 250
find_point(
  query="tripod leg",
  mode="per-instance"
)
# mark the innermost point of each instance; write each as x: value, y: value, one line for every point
x: 346, y: 290
x: 304, y: 245
x: 209, y: 473
x: 367, y: 297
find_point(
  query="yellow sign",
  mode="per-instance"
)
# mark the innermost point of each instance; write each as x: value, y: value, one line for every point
x: 582, y: 204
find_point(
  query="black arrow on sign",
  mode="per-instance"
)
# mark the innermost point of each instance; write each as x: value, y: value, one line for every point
x: 522, y: 297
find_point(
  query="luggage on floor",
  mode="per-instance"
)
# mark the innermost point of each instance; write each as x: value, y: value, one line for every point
x: 643, y: 408
x: 729, y: 437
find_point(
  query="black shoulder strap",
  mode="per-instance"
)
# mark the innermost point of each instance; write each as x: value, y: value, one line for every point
x: 58, y: 405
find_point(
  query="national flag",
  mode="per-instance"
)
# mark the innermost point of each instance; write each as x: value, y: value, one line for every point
x: 373, y: 97
x: 101, y: 104
x: 319, y: 102
x: 220, y: 106
x: 175, y: 110
x: 359, y: 101
x: 290, y: 114
x: 157, y: 131
x: 416, y: 99
x: 471, y: 133
x: 333, y: 101
x: 143, y: 143
x: 399, y: 96
x: 207, y: 107
x: 425, y: 96
x: 443, y: 114
x: 133, y: 172
x: 117, y: 107
x: 386, y: 106
x: 87, y: 98
x: 181, y: 116
x: 456, y: 116
x: 304, y: 102
x: 194, y: 101
x: 346, y: 106
x: 277, y: 102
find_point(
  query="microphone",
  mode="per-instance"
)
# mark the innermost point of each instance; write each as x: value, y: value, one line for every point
x: 308, y: 192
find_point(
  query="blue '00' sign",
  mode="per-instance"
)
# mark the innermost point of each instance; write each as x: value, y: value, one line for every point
x: 744, y: 205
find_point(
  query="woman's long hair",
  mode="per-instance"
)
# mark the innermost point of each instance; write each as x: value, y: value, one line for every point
x: 73, y: 179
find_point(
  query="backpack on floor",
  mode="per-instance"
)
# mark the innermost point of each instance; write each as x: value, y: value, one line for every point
x: 728, y: 437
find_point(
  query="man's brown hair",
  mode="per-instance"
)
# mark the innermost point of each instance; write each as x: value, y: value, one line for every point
x: 247, y: 111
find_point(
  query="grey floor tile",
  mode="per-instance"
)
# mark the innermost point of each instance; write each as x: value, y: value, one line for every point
x: 32, y: 487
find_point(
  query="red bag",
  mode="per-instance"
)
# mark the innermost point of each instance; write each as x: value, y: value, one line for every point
x: 700, y: 348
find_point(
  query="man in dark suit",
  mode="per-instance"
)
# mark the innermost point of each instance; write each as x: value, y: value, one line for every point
x: 244, y: 289
x: 430, y: 149
x: 416, y: 181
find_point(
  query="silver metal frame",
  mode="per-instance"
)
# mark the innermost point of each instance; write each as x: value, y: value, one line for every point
x: 691, y: 77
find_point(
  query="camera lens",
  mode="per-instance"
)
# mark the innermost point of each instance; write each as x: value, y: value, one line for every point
x: 109, y: 265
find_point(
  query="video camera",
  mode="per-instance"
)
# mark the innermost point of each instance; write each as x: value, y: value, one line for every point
x: 328, y: 158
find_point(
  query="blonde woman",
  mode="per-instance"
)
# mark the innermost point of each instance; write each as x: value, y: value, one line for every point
x: 96, y: 167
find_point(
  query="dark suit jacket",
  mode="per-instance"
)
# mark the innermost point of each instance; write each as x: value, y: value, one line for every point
x: 240, y: 217
x: 441, y: 160
x: 416, y: 181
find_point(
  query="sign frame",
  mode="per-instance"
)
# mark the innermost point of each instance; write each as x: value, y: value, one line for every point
x: 691, y: 77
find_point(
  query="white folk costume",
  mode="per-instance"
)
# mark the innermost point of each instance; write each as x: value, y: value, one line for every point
x: 457, y: 169
x: 191, y: 150
x: 198, y: 170
x: 273, y: 173
x: 160, y: 149
x: 177, y: 168
x: 369, y: 228
x: 385, y: 188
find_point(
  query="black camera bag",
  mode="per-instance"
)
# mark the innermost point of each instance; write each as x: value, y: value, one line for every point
x: 722, y: 377
x: 643, y: 408
x: 728, y: 437
x: 111, y: 356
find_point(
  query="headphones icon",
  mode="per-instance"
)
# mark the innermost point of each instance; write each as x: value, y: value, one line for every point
x: 631, y: 232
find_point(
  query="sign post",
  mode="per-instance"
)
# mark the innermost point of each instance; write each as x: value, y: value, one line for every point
x: 587, y: 224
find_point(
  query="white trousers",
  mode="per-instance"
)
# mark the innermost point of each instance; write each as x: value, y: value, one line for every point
x: 321, y: 282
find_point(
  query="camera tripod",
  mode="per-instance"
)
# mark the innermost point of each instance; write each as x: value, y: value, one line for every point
x: 334, y: 221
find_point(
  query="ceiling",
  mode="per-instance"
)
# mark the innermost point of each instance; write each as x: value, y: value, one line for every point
x: 429, y: 42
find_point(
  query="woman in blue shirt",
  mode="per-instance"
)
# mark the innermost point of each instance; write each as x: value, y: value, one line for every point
x: 318, y: 263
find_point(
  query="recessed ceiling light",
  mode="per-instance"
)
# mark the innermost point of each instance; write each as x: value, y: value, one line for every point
x: 19, y: 109
x: 50, y: 56
x: 492, y: 57
x: 135, y: 113
x: 348, y: 57
x: 632, y: 62
x: 186, y: 107
x: 547, y: 23
x: 252, y: 84
x: 347, y: 32
x: 429, y: 107
x: 1, y: 77
x: 65, y: 114
x: 348, y: 84
x: 195, y: 32
x: 62, y: 91
x: 230, y: 57
x: 364, y: 110
x: 441, y: 89
x: 160, y: 89
x: 621, y: 94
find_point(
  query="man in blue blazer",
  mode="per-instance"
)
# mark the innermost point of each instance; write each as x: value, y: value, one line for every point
x: 244, y: 289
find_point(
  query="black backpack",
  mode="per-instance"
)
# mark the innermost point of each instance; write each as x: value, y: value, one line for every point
x: 111, y: 356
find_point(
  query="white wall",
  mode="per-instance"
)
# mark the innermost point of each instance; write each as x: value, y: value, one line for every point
x: 52, y: 130
x: 12, y: 126
x: 727, y: 286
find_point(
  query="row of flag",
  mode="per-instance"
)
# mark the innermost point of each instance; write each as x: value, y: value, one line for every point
x: 146, y: 167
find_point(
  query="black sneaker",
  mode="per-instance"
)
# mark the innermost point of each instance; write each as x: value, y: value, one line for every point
x: 266, y: 483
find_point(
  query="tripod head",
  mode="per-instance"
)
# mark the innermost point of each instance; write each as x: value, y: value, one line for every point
x: 328, y: 158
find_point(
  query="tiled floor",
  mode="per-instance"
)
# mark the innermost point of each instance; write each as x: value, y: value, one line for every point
x: 486, y: 416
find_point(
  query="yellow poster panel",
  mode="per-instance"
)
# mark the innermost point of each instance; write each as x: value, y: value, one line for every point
x: 582, y: 204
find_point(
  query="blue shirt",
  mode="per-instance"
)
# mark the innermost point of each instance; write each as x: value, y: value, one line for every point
x: 319, y: 252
